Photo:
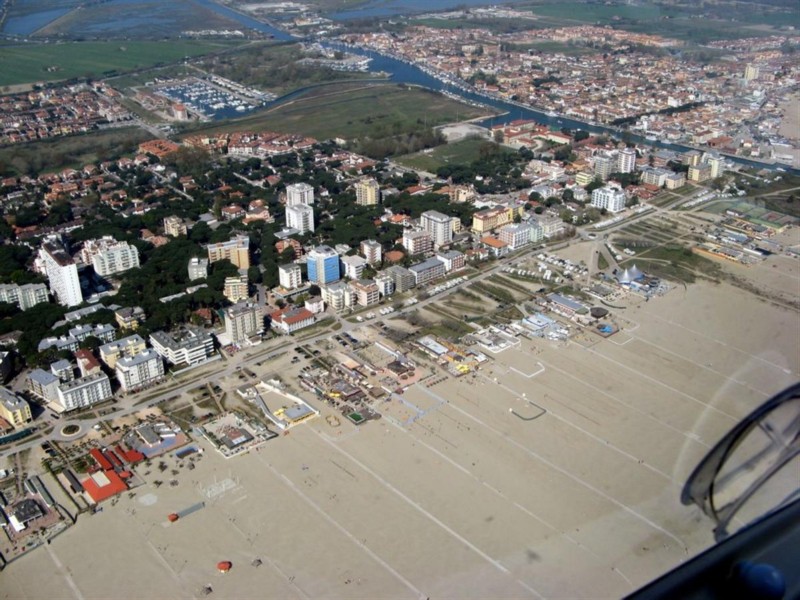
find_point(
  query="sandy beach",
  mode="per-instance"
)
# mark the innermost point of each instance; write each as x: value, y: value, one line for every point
x: 574, y: 494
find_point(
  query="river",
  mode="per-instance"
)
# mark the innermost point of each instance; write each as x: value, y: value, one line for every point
x: 405, y: 72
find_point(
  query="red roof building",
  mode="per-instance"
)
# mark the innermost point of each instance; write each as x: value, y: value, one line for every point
x: 101, y: 460
x: 102, y: 485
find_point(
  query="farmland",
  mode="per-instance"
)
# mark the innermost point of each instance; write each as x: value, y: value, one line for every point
x: 52, y: 62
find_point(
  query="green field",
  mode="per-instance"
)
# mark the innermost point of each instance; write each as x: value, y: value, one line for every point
x: 462, y: 152
x: 353, y: 111
x: 51, y: 62
x: 692, y: 22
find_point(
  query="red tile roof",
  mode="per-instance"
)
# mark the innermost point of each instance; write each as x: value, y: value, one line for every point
x: 99, y: 493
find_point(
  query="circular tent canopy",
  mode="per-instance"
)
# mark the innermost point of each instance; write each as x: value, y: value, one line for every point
x: 598, y: 312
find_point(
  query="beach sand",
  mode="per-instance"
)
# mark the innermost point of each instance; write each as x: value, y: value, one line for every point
x: 469, y: 500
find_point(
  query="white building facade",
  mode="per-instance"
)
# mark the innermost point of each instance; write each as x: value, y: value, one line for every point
x: 300, y: 217
x: 140, y: 370
x: 609, y: 197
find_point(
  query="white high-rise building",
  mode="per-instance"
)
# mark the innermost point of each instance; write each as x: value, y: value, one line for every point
x: 289, y: 276
x: 300, y: 217
x: 115, y: 258
x: 134, y: 372
x: 626, y: 160
x: 299, y: 193
x: 62, y: 273
x: 715, y: 161
x: 612, y: 198
x: 439, y: 225
x: 84, y: 391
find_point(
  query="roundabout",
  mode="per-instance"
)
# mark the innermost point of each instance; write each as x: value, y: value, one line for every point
x: 70, y: 430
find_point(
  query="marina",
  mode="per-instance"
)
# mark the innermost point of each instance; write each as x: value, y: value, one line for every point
x: 213, y: 99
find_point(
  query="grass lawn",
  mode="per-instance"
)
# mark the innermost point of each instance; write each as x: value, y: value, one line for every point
x: 352, y: 111
x: 461, y: 152
x: 30, y: 63
x: 674, y: 262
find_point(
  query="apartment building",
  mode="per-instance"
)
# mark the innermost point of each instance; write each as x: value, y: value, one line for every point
x: 338, y: 295
x: 453, y: 260
x: 368, y: 192
x: 417, y: 242
x: 24, y: 296
x: 372, y: 251
x: 129, y: 317
x: 198, y: 268
x: 236, y: 250
x: 43, y: 384
x: 115, y: 258
x: 15, y: 410
x: 626, y: 160
x: 385, y: 284
x: 299, y: 193
x: 62, y: 274
x: 366, y: 292
x: 290, y: 276
x: 612, y: 198
x: 427, y: 271
x: 126, y: 347
x: 403, y: 278
x: 174, y: 226
x: 140, y: 370
x: 84, y: 391
x: 439, y: 226
x: 185, y: 346
x: 300, y: 217
x: 353, y: 266
x: 236, y: 288
x: 242, y: 321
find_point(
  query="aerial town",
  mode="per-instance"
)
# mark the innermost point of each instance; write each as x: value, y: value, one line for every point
x: 335, y: 357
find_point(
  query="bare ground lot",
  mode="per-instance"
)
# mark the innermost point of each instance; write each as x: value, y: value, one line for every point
x: 469, y: 501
